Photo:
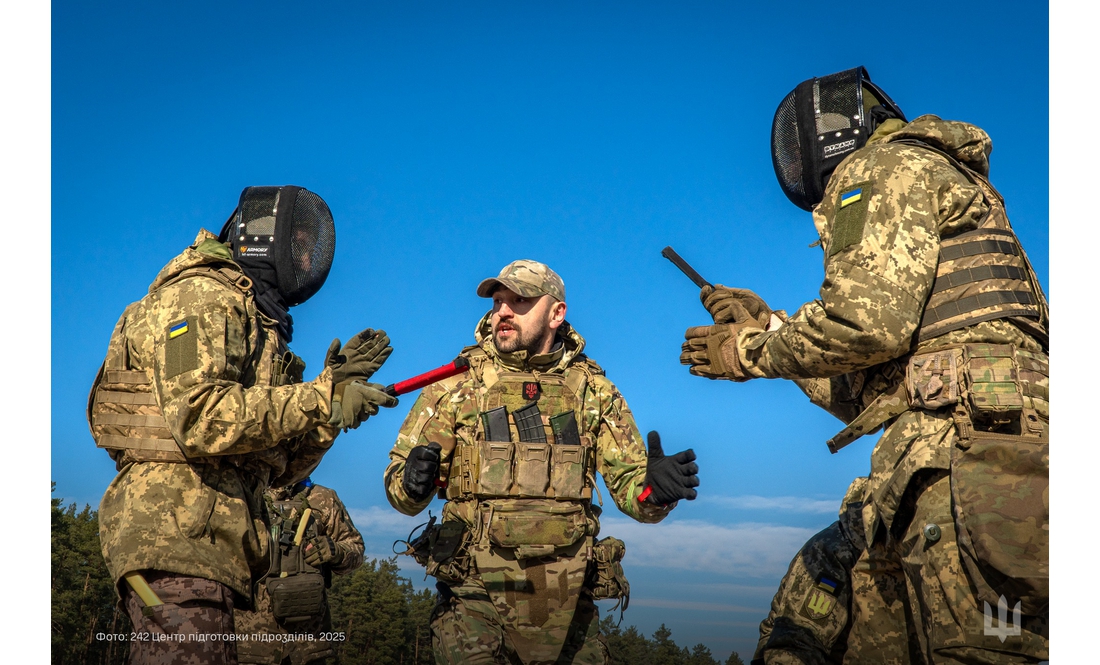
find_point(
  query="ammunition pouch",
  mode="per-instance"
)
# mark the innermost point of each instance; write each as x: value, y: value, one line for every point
x: 535, y: 530
x: 297, y: 598
x: 999, y: 464
x: 606, y: 577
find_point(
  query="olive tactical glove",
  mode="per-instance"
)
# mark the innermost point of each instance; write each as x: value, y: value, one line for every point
x: 421, y: 470
x: 669, y: 479
x: 322, y: 551
x: 711, y: 351
x: 728, y: 305
x: 360, y: 401
x: 357, y: 360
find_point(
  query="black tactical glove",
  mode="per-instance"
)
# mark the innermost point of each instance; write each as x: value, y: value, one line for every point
x: 322, y: 551
x: 360, y: 401
x: 421, y: 470
x: 357, y: 360
x: 669, y: 479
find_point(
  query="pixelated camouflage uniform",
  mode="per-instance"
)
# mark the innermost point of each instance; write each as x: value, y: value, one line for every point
x: 329, y: 518
x: 497, y: 605
x: 810, y: 617
x: 895, y: 259
x: 201, y: 405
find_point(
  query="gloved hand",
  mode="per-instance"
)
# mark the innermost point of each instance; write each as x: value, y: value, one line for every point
x: 360, y: 401
x: 669, y: 479
x: 357, y: 360
x: 711, y: 351
x: 321, y: 551
x: 729, y: 305
x: 421, y: 470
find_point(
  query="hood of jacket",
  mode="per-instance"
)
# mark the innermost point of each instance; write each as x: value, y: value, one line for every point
x: 965, y: 142
x: 568, y: 345
x: 205, y: 251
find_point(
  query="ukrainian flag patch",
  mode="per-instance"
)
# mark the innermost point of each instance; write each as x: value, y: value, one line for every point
x: 848, y: 198
x: 177, y: 330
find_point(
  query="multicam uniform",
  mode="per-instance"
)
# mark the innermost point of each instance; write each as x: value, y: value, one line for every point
x: 516, y: 552
x: 931, y: 320
x: 329, y: 518
x: 202, y: 407
x: 810, y: 618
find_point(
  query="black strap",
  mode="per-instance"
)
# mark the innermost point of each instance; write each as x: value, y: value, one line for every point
x: 979, y: 274
x: 975, y: 302
x: 977, y: 247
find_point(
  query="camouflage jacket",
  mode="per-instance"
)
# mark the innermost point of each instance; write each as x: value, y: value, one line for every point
x: 331, y: 519
x: 231, y: 397
x: 843, y: 348
x: 447, y: 413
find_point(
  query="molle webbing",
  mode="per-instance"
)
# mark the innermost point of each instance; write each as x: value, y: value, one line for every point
x: 982, y: 275
x: 526, y: 463
x: 125, y: 417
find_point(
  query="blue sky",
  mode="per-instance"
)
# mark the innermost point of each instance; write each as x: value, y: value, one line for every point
x: 451, y: 139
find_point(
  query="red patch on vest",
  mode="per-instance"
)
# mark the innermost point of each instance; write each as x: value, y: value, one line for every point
x: 532, y: 390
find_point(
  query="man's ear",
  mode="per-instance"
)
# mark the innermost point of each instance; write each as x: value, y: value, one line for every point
x: 557, y: 314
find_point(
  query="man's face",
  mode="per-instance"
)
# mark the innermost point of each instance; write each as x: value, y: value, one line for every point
x: 524, y: 323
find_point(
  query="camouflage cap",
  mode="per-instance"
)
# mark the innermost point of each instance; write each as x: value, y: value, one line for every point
x: 528, y: 278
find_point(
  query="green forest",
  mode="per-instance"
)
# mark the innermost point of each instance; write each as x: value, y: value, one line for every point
x: 384, y: 617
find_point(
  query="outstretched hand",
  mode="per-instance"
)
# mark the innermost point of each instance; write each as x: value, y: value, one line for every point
x: 669, y: 479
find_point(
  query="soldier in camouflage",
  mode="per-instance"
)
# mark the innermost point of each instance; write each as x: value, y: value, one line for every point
x: 330, y: 544
x: 811, y: 615
x: 202, y: 407
x: 514, y: 446
x: 932, y: 324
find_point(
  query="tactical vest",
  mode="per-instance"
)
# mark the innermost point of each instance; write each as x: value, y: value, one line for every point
x: 296, y: 588
x: 123, y: 413
x: 526, y: 458
x: 983, y: 274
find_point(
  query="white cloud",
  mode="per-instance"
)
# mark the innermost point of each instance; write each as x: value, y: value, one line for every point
x: 791, y: 504
x: 385, y: 520
x: 743, y: 550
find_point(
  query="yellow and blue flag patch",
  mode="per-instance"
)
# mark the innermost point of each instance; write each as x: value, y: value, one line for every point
x: 848, y: 198
x: 177, y: 330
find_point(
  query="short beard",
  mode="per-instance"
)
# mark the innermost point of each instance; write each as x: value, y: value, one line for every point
x: 529, y: 340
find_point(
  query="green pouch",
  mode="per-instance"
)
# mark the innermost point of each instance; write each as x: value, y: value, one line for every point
x: 535, y: 529
x: 1000, y: 488
x: 297, y: 598
x: 608, y: 578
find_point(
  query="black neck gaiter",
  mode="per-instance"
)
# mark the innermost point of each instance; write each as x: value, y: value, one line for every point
x: 266, y: 286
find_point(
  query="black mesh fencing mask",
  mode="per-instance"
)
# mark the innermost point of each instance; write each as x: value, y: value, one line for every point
x: 818, y: 124
x: 287, y: 233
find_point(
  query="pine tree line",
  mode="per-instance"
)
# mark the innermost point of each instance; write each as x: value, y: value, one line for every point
x: 383, y: 618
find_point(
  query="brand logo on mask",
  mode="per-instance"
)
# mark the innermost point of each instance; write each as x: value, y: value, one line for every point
x: 839, y: 148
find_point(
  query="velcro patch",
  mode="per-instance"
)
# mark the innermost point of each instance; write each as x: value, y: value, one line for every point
x: 181, y: 348
x: 850, y: 217
x: 820, y: 601
x: 532, y: 390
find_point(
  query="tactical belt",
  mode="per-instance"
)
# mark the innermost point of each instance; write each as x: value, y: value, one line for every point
x: 991, y: 378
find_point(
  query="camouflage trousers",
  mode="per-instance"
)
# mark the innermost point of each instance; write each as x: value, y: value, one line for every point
x: 949, y: 622
x: 274, y: 646
x: 193, y: 626
x: 520, y: 612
